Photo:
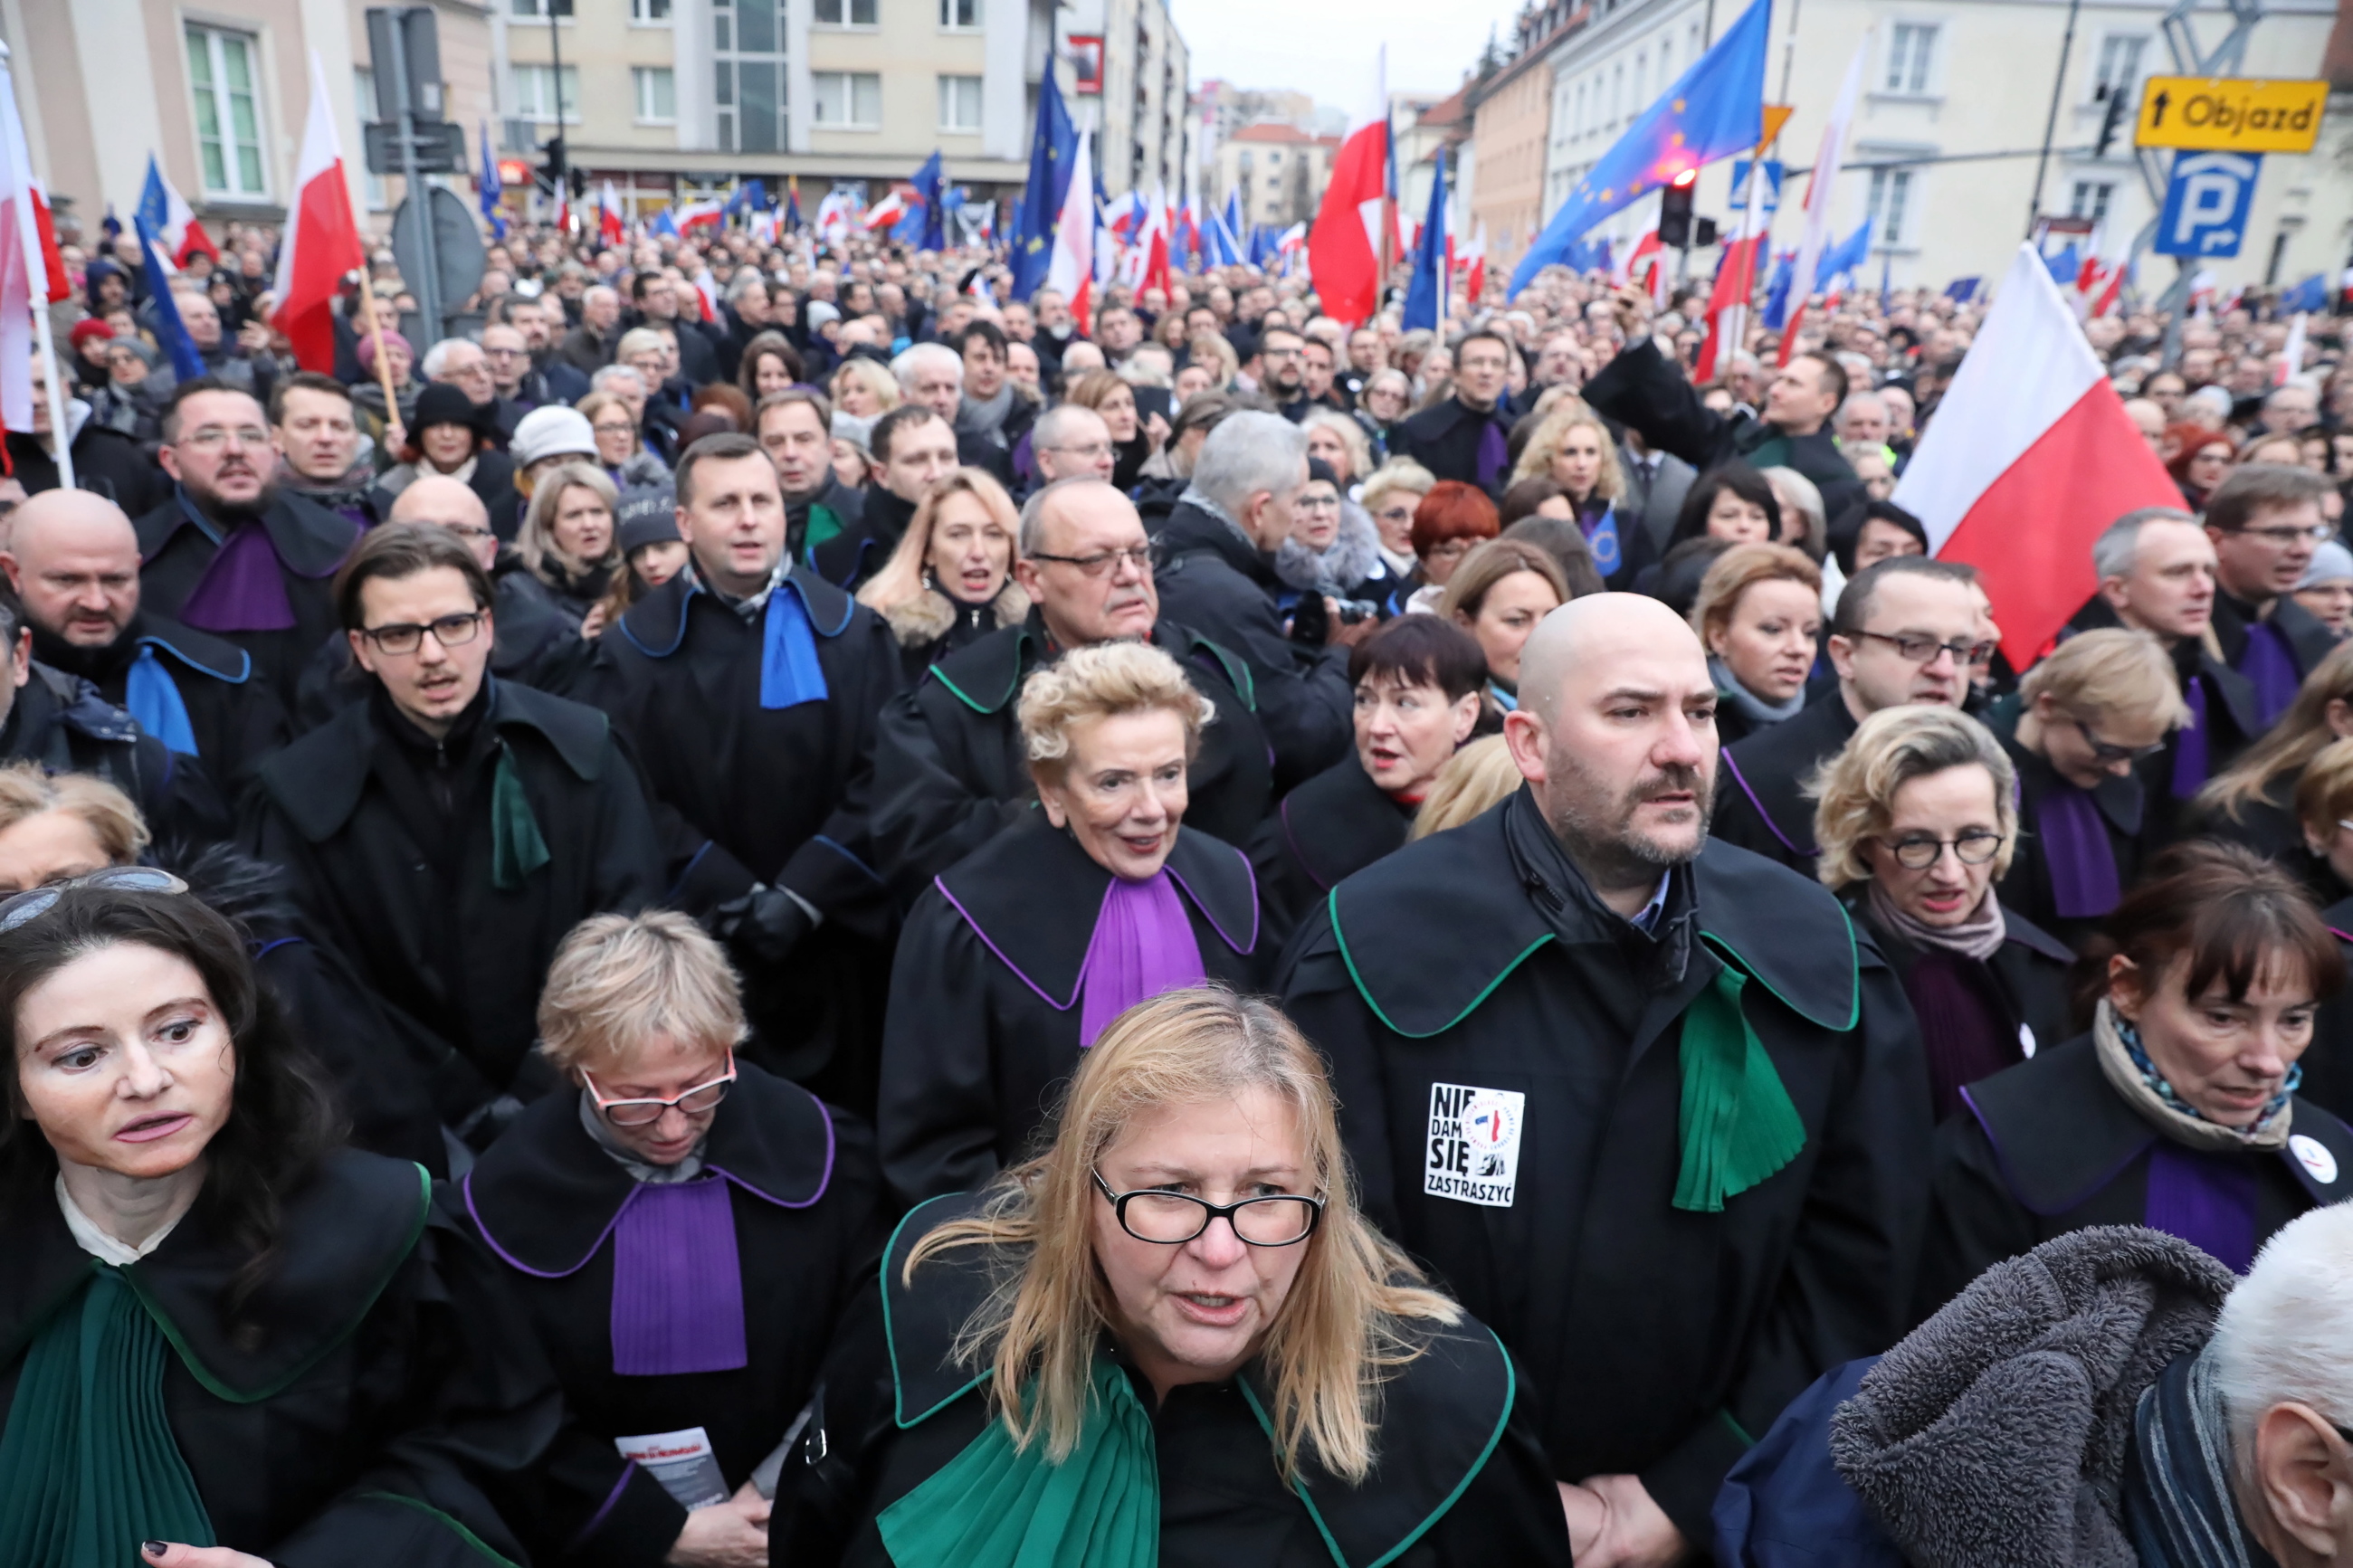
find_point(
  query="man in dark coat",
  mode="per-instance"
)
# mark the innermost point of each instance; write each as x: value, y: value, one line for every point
x: 74, y: 560
x: 992, y: 407
x: 448, y: 831
x: 1466, y: 436
x: 1216, y: 577
x: 753, y: 690
x: 230, y: 554
x: 2265, y: 522
x: 105, y: 460
x: 1903, y: 632
x: 794, y: 427
x: 318, y: 435
x: 932, y: 375
x: 656, y: 297
x: 1644, y: 1101
x: 912, y: 447
x: 1645, y: 388
x: 951, y: 771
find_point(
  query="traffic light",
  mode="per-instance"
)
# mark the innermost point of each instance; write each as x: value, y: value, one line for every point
x: 579, y: 184
x: 2113, y: 120
x: 551, y: 173
x: 1676, y: 211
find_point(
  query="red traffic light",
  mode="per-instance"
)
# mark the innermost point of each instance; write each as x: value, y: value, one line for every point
x: 1687, y: 177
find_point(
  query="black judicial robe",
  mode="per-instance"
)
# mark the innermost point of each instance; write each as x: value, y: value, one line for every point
x: 2231, y: 727
x: 1760, y: 804
x: 1458, y: 1480
x: 236, y: 720
x: 2050, y: 1146
x: 2328, y: 1062
x: 546, y: 1199
x: 393, y: 1409
x: 60, y: 724
x: 310, y: 543
x: 2307, y: 636
x: 1447, y: 439
x: 856, y: 553
x: 769, y: 795
x: 1329, y: 828
x: 951, y: 771
x: 418, y: 911
x: 2026, y: 887
x: 982, y: 1029
x: 1659, y: 1341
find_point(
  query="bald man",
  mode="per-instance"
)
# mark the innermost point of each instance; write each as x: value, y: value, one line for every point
x: 534, y: 643
x: 1640, y: 1097
x: 73, y: 557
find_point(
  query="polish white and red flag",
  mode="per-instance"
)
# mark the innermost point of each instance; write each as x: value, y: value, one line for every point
x: 1071, y: 270
x: 1344, y: 248
x: 322, y: 242
x: 2030, y: 457
x: 1821, y: 193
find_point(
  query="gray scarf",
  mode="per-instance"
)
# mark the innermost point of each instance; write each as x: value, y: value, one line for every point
x: 1980, y: 937
x: 621, y: 1154
x: 1746, y: 703
x: 2131, y: 1074
x: 984, y: 416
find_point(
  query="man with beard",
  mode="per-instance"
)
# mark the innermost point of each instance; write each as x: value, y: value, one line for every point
x: 318, y: 437
x: 1642, y: 1099
x: 1282, y: 372
x: 73, y: 559
x: 912, y: 447
x: 230, y: 554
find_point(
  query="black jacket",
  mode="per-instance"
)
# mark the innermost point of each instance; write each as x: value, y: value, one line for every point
x: 2328, y: 1062
x: 236, y: 720
x: 1657, y: 1338
x: 2027, y: 887
x: 310, y: 543
x: 2309, y: 640
x: 1327, y: 830
x: 1211, y: 580
x: 1459, y: 1480
x: 1642, y: 388
x: 836, y: 510
x: 855, y: 554
x: 106, y: 461
x: 59, y: 722
x: 1447, y: 439
x: 393, y: 1415
x: 2050, y: 1146
x: 983, y: 1030
x: 403, y: 857
x: 546, y: 1198
x: 951, y: 771
x: 1760, y: 804
x: 2228, y: 700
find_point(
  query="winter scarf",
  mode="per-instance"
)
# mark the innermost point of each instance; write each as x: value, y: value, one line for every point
x: 1980, y: 937
x: 1354, y: 555
x: 2131, y: 1074
x: 1746, y: 703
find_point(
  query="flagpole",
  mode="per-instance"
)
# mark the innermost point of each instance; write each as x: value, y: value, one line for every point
x: 375, y: 332
x: 36, y: 274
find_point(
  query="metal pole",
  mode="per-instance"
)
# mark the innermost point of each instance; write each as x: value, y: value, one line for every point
x: 2050, y: 124
x: 426, y: 289
x: 563, y: 148
x: 36, y: 272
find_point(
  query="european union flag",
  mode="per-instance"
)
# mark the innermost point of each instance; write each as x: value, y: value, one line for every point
x: 930, y: 222
x: 1715, y: 109
x: 489, y: 187
x: 1052, y: 145
x: 1424, y: 297
x: 1847, y: 256
x: 2311, y: 295
x: 1777, y: 293
x: 188, y: 363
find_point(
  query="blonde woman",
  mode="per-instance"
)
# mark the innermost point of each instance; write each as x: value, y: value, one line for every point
x: 1573, y: 449
x: 1474, y: 780
x: 1917, y: 818
x: 863, y: 389
x: 2252, y: 802
x: 620, y: 445
x: 1171, y: 1337
x: 54, y: 827
x: 949, y: 580
x: 568, y: 539
x: 1759, y: 615
x: 1390, y: 495
x: 1020, y: 955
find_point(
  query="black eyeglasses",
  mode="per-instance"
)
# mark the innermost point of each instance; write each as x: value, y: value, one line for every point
x: 2109, y: 752
x: 23, y: 909
x: 1138, y: 556
x: 1969, y: 849
x: 1172, y: 1219
x: 450, y: 631
x: 1915, y: 649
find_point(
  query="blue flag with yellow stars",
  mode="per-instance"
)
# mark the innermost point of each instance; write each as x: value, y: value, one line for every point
x: 1051, y: 149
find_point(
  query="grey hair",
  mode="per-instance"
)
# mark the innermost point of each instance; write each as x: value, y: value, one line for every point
x: 2286, y: 1331
x: 2117, y: 549
x: 604, y: 379
x: 1865, y: 398
x: 600, y: 291
x: 1033, y: 510
x: 1855, y: 791
x: 911, y: 360
x: 437, y: 358
x: 1246, y: 453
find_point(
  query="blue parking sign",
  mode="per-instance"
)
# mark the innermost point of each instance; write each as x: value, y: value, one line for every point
x: 2206, y: 205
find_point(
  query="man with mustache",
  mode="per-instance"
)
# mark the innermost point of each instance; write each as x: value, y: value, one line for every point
x: 231, y: 553
x: 1640, y: 1097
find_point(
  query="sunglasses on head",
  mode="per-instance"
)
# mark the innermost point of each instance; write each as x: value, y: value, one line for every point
x: 22, y: 908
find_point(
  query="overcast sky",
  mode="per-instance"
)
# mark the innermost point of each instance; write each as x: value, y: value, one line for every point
x: 1327, y: 47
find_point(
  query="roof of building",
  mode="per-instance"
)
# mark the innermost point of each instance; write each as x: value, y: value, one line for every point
x: 1270, y: 131
x: 1448, y: 111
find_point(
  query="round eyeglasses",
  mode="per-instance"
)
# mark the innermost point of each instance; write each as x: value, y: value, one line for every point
x: 1969, y: 849
x: 1172, y: 1219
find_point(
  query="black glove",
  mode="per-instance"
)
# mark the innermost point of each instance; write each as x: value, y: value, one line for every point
x: 765, y: 924
x: 1311, y: 620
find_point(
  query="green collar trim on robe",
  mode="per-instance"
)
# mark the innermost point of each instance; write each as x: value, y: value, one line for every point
x: 1736, y: 1123
x: 1822, y: 1010
x: 891, y: 1254
x: 451, y: 1525
x: 88, y: 1467
x: 517, y: 847
x: 968, y: 658
x: 999, y: 1506
x: 1340, y: 936
x: 1299, y: 1483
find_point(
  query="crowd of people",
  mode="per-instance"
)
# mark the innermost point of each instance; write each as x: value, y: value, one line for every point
x: 756, y: 908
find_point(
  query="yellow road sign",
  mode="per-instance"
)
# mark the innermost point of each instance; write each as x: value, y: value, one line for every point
x: 2231, y: 114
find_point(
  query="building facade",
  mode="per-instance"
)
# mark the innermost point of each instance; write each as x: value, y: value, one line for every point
x: 1280, y: 170
x: 1511, y: 110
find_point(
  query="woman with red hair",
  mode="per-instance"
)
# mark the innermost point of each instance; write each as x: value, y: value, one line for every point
x: 2201, y: 461
x: 1452, y: 519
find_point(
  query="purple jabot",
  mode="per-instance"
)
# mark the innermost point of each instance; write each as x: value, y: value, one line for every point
x: 1143, y: 945
x: 244, y: 589
x: 2270, y: 669
x: 2206, y: 1199
x: 1963, y: 1031
x: 2190, y: 755
x: 2075, y: 846
x: 1494, y: 454
x: 678, y: 1287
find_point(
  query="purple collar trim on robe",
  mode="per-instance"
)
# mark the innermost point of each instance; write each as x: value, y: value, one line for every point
x: 2270, y: 669
x: 243, y: 589
x: 2075, y: 847
x: 1495, y: 452
x: 678, y: 1285
x: 2190, y: 759
x: 2206, y: 1199
x: 1142, y: 946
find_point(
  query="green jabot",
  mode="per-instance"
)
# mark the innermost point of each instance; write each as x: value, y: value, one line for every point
x: 517, y: 847
x: 1738, y: 1124
x: 89, y: 1468
x: 994, y: 1505
x: 824, y: 523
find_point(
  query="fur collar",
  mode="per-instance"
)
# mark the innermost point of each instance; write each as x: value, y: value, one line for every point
x: 1350, y: 558
x: 931, y: 615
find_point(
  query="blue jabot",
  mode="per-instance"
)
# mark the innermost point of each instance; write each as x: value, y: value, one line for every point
x: 154, y: 699
x: 791, y: 674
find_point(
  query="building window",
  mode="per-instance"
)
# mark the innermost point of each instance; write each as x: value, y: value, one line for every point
x: 2119, y: 66
x: 846, y: 100
x: 747, y: 87
x: 222, y: 71
x: 960, y: 16
x: 959, y: 103
x: 1274, y: 157
x: 534, y: 93
x: 656, y: 94
x: 1908, y: 51
x: 649, y: 10
x: 2091, y: 199
x: 543, y: 9
x: 1891, y: 200
x: 845, y: 13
